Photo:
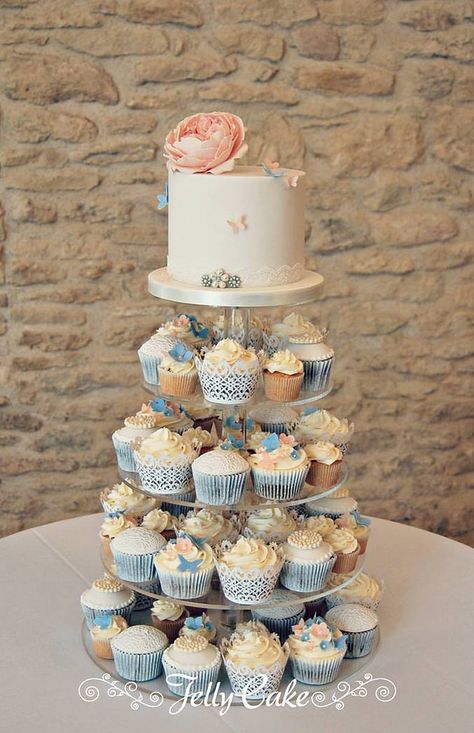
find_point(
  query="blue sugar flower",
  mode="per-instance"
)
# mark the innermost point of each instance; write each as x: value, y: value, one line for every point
x: 194, y: 622
x: 231, y: 422
x: 104, y: 621
x: 160, y: 405
x: 272, y: 442
x: 163, y: 198
x: 304, y: 636
x: 294, y: 455
x: 180, y: 352
x: 198, y: 329
x: 324, y: 644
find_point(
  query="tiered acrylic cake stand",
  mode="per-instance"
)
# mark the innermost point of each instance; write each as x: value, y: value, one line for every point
x: 226, y: 614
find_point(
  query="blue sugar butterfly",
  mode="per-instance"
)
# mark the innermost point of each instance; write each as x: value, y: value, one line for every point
x: 273, y: 172
x: 194, y: 622
x: 163, y: 198
x: 197, y: 328
x: 272, y: 442
x: 191, y: 566
x: 180, y: 352
x: 232, y: 443
x: 160, y: 405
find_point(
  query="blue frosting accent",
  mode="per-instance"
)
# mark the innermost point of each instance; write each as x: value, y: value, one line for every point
x: 324, y: 644
x: 197, y: 327
x: 160, y: 405
x: 294, y: 454
x: 232, y: 443
x: 180, y: 352
x: 163, y: 198
x: 190, y: 565
x: 231, y: 422
x: 360, y: 521
x: 104, y: 621
x: 339, y: 643
x: 272, y: 442
x: 197, y: 622
x: 274, y: 173
x: 249, y: 423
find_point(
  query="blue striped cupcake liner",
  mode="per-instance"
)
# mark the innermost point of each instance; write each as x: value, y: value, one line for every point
x: 305, y: 576
x: 137, y: 568
x: 149, y: 365
x: 186, y: 585
x: 316, y: 374
x: 319, y: 672
x: 359, y: 643
x: 204, y: 679
x: 90, y: 614
x: 138, y: 667
x: 142, y: 602
x: 279, y: 485
x: 176, y: 509
x: 280, y: 626
x: 221, y: 490
x: 279, y: 427
x: 124, y: 453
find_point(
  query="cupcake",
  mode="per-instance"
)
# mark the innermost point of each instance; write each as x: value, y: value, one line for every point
x: 321, y: 524
x: 136, y: 426
x: 160, y: 521
x: 151, y: 353
x: 359, y: 526
x: 363, y: 589
x: 138, y: 653
x: 133, y: 552
x: 279, y: 468
x: 282, y: 376
x: 107, y: 596
x: 280, y: 619
x: 185, y: 568
x: 178, y: 375
x: 205, y: 417
x: 325, y: 467
x: 277, y: 336
x: 228, y: 373
x: 207, y: 526
x: 330, y: 506
x: 317, y: 424
x: 207, y: 440
x: 308, y: 561
x: 315, y: 651
x: 122, y: 499
x: 169, y: 414
x: 271, y: 524
x: 186, y: 327
x: 255, y: 662
x: 199, y: 626
x: 191, y: 665
x: 103, y: 630
x: 110, y: 528
x: 248, y: 570
x: 317, y: 358
x: 255, y: 440
x: 275, y: 418
x: 164, y: 462
x: 220, y: 476
x: 168, y: 616
x: 358, y: 624
x: 346, y: 548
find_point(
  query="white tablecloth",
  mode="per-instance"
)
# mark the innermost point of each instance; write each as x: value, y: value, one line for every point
x: 426, y: 620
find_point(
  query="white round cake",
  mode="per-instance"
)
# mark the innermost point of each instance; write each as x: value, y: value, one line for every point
x: 245, y: 222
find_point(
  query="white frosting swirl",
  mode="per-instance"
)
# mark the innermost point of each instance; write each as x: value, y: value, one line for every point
x: 164, y: 442
x: 342, y: 541
x: 252, y: 649
x: 323, y: 452
x: 249, y: 554
x: 283, y: 362
x: 167, y: 610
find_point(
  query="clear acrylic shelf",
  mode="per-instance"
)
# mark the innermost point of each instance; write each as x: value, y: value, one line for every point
x: 249, y: 501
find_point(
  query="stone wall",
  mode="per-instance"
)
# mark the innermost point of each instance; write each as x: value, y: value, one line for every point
x: 375, y: 99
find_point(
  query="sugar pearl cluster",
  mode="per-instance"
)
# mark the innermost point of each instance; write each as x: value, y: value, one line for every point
x: 108, y: 584
x: 141, y: 421
x: 306, y: 538
x: 191, y: 643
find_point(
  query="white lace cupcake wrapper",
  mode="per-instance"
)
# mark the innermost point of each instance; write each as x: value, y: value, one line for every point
x: 317, y: 373
x: 219, y: 489
x: 359, y: 643
x: 90, y: 614
x: 279, y: 485
x: 254, y: 683
x: 319, y: 672
x: 272, y: 343
x: 279, y: 427
x: 231, y: 386
x: 125, y: 454
x: 163, y: 479
x: 205, y: 679
x: 280, y: 626
x: 138, y: 667
x: 186, y: 585
x: 306, y: 577
x: 249, y: 588
x: 137, y: 568
x: 254, y: 338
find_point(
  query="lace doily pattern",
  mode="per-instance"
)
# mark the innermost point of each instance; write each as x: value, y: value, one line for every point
x: 273, y: 343
x: 247, y: 586
x: 254, y: 683
x: 142, y: 602
x: 164, y: 475
x: 262, y: 277
x: 228, y: 384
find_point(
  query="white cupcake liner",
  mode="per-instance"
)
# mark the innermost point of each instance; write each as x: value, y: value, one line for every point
x: 279, y: 485
x: 359, y: 643
x: 256, y: 683
x: 124, y: 452
x: 319, y: 672
x: 305, y: 576
x: 279, y: 427
x: 219, y: 490
x: 138, y: 667
x: 204, y: 679
x: 280, y: 626
x: 160, y: 477
x: 187, y: 585
x: 317, y: 373
x: 136, y: 568
x: 248, y: 587
x: 90, y: 614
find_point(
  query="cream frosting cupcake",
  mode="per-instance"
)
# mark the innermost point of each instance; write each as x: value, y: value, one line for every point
x: 359, y: 625
x: 122, y: 499
x: 316, y: 651
x: 318, y: 424
x: 103, y: 630
x: 178, y: 374
x: 282, y: 376
x: 321, y: 524
x: 359, y: 526
x: 136, y: 426
x: 150, y: 354
x: 277, y: 335
x: 110, y: 528
x: 220, y: 476
x: 164, y: 462
x: 133, y: 552
x: 272, y: 524
x: 363, y: 589
x: 160, y: 521
x: 346, y: 548
x: 279, y: 468
x: 199, y: 626
x: 317, y: 358
x: 107, y: 596
x: 191, y: 656
x: 168, y: 616
x: 326, y: 462
x: 207, y: 440
x: 228, y: 373
x: 255, y: 440
x: 185, y: 568
x: 248, y: 570
x: 186, y: 327
x: 207, y: 526
x: 308, y: 561
x: 249, y: 654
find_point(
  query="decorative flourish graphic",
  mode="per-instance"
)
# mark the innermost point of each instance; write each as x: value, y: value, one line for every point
x: 89, y: 692
x: 385, y: 691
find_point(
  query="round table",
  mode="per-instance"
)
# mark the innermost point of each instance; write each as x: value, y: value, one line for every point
x: 425, y: 651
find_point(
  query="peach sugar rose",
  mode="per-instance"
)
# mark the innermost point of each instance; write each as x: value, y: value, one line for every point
x: 206, y: 143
